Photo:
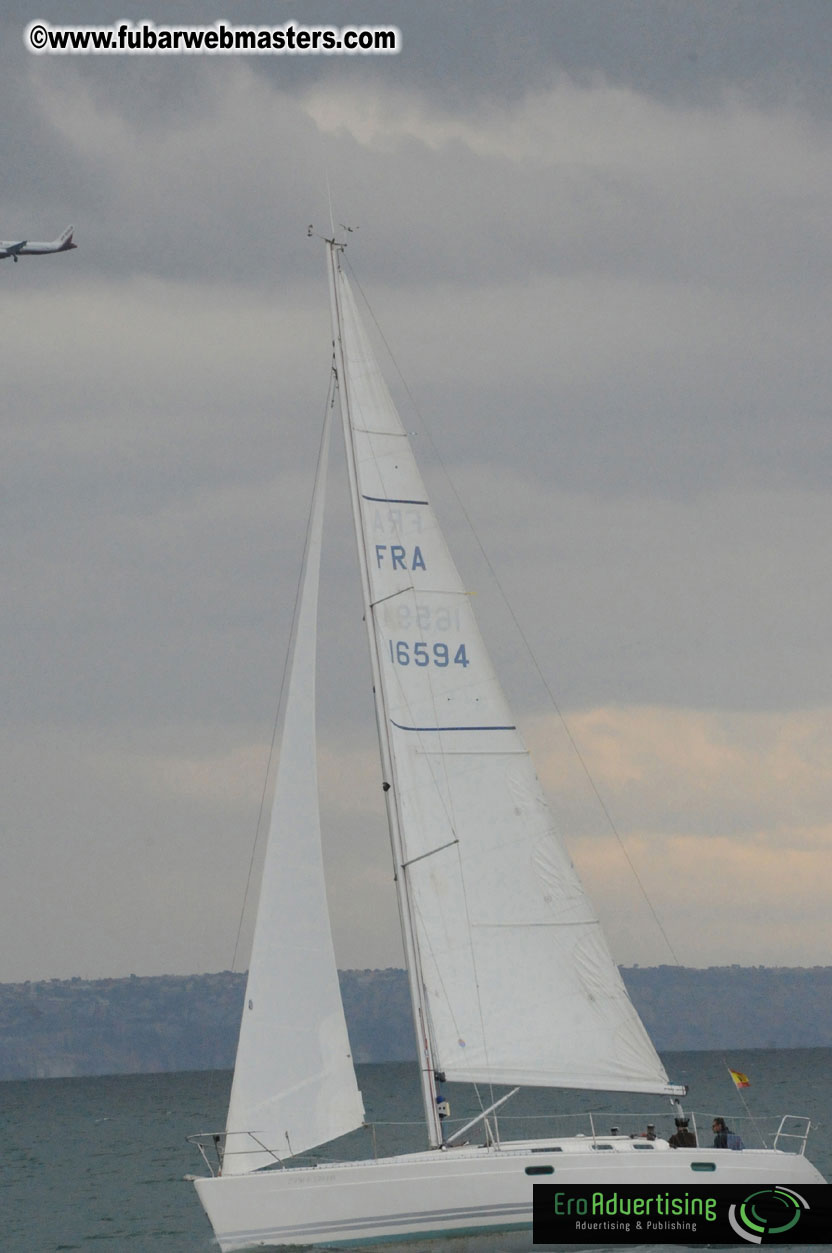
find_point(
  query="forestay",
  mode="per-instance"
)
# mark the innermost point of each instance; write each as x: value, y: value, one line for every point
x: 294, y: 1084
x: 519, y: 983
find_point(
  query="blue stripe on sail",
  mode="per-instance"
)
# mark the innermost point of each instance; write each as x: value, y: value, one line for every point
x: 391, y: 500
x: 403, y: 728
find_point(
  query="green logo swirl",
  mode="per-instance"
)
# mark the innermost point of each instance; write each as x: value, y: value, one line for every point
x: 769, y: 1212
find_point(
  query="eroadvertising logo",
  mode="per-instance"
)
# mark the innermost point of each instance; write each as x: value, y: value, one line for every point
x: 710, y: 1214
x: 769, y: 1212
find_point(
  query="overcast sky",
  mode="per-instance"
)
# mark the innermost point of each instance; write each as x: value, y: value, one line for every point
x: 598, y: 238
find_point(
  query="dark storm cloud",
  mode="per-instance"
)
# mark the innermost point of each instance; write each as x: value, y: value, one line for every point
x: 597, y: 236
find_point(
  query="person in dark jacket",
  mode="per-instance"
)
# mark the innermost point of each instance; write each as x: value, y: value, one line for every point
x: 721, y: 1133
x: 683, y: 1137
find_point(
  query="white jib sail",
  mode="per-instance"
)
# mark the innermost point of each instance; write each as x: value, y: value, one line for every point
x: 519, y: 982
x: 294, y: 1083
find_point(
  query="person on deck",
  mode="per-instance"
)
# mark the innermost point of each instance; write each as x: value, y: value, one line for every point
x: 721, y: 1133
x: 683, y: 1137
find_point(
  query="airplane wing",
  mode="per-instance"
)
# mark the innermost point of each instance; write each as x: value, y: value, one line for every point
x: 11, y: 249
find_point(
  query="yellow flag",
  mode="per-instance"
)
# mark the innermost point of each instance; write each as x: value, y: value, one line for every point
x: 739, y: 1078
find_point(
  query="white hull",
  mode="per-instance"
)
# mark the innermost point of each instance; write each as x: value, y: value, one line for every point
x: 469, y: 1193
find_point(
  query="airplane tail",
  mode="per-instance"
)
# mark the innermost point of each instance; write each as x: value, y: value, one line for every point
x: 64, y: 241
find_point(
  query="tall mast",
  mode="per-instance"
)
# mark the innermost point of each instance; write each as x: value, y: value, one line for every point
x: 411, y: 951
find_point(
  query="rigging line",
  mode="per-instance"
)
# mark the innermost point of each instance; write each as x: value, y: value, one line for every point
x: 519, y: 629
x: 440, y: 776
x: 451, y: 817
x: 425, y: 1034
x: 437, y: 973
x: 330, y: 401
x: 444, y: 792
x: 430, y: 853
x: 329, y: 198
x: 407, y: 591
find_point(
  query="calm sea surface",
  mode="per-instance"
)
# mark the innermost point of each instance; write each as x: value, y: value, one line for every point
x: 98, y: 1164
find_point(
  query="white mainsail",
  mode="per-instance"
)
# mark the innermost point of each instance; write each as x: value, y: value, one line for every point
x: 294, y: 1083
x: 518, y: 981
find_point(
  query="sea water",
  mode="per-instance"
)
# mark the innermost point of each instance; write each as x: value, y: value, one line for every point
x: 100, y: 1164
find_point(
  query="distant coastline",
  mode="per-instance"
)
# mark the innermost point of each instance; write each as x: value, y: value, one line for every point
x: 59, y: 1028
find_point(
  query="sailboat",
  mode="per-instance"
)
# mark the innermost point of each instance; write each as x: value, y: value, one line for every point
x: 511, y: 979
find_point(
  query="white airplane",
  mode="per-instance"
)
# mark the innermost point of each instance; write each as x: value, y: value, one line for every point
x: 32, y: 248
